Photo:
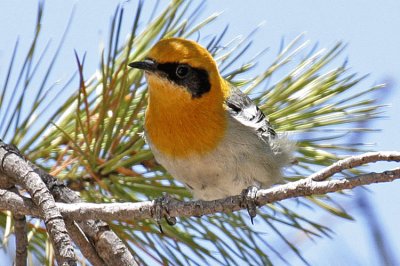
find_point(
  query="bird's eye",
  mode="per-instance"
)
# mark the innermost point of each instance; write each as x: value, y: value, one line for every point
x: 182, y: 71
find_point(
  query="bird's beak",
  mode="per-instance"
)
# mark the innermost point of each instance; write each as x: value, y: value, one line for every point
x: 148, y: 65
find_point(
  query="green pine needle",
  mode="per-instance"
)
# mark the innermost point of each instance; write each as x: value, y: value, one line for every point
x: 91, y: 136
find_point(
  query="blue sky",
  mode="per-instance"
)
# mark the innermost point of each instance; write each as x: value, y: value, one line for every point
x: 370, y: 28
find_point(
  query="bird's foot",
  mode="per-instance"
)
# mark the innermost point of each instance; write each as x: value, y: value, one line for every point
x: 249, y: 201
x: 161, y: 210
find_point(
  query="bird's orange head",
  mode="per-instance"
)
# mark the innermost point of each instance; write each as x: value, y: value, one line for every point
x: 186, y: 112
x: 185, y: 64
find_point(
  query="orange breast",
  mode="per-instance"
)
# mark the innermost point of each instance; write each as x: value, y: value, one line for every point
x: 178, y: 125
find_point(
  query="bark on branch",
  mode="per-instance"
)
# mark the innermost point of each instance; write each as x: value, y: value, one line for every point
x: 100, y: 245
x: 15, y: 167
x: 145, y: 210
x: 109, y: 249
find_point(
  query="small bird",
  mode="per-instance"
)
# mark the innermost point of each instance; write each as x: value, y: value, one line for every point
x: 205, y: 132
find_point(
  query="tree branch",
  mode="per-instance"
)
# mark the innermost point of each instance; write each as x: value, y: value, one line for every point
x: 99, y: 239
x: 106, y: 243
x: 354, y: 161
x: 145, y: 210
x: 15, y: 167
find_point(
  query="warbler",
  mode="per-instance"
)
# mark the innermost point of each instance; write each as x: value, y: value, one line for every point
x: 205, y: 132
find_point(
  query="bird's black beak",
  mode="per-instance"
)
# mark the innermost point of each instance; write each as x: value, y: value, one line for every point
x: 147, y: 64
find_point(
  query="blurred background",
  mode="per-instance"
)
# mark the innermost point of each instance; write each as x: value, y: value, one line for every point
x: 369, y: 28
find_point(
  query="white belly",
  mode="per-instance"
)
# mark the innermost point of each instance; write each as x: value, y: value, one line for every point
x: 241, y: 160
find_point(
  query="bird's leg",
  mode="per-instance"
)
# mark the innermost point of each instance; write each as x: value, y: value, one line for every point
x: 161, y: 210
x: 249, y: 200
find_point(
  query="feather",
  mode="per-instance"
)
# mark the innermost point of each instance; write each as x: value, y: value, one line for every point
x: 244, y: 110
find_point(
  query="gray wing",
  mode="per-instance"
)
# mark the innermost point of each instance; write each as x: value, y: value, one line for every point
x: 243, y: 109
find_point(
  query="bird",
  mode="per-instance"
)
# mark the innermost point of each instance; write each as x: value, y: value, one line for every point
x: 205, y: 132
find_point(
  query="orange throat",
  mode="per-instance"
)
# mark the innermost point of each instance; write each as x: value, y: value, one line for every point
x: 178, y: 125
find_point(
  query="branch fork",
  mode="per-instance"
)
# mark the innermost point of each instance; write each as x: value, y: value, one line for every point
x: 69, y: 217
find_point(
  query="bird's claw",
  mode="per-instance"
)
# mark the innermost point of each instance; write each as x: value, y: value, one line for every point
x: 161, y: 210
x: 249, y: 201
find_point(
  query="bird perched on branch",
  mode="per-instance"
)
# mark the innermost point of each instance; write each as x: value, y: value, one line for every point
x: 206, y: 133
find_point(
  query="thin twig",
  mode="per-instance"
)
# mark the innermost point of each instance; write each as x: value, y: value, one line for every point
x: 83, y: 243
x: 21, y: 240
x: 354, y: 161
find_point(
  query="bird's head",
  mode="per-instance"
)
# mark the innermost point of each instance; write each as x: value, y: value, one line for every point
x: 185, y: 114
x: 181, y: 66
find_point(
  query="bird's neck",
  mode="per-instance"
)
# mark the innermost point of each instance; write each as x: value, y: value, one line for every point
x: 179, y: 125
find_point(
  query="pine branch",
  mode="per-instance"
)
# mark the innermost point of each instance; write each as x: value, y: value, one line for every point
x: 145, y: 210
x: 15, y: 169
x: 101, y: 246
x: 106, y: 243
x: 14, y: 166
x: 354, y: 161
